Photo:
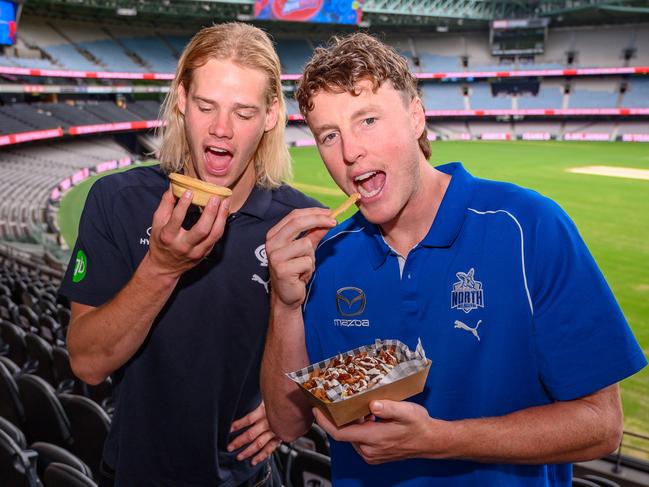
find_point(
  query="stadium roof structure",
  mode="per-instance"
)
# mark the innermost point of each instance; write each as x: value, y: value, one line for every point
x: 442, y: 14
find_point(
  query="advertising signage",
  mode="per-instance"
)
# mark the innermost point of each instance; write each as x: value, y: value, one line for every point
x: 320, y: 11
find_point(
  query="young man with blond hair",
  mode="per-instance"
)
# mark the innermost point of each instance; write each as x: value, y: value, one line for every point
x: 173, y: 301
x: 526, y: 340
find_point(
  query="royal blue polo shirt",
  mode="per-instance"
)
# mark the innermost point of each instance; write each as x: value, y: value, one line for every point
x: 510, y: 307
x: 198, y: 369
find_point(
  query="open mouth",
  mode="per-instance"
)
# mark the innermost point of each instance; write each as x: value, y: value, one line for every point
x: 370, y: 184
x: 217, y: 159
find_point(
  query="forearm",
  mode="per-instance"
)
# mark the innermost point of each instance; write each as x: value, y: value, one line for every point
x: 561, y: 432
x: 288, y: 411
x: 104, y: 338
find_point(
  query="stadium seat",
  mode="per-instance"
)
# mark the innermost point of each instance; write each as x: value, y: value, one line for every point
x: 6, y: 304
x: 28, y: 318
x: 11, y: 406
x: 39, y: 357
x: 13, y: 369
x: 45, y: 419
x: 600, y: 481
x: 4, y: 290
x: 64, y: 316
x: 578, y: 482
x: 100, y: 393
x: 14, y: 337
x: 14, y: 432
x: 89, y: 425
x: 63, y: 376
x: 49, y: 453
x: 315, y: 440
x: 60, y: 475
x: 48, y: 328
x: 306, y: 468
x: 17, y: 466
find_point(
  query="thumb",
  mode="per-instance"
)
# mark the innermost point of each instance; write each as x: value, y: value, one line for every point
x: 385, y: 409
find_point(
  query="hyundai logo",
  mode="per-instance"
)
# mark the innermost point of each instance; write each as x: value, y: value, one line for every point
x: 350, y: 301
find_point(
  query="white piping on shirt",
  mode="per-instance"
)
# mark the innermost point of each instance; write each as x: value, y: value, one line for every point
x: 520, y: 229
x: 308, y: 292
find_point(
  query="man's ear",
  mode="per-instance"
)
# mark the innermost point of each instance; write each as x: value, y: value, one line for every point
x: 272, y: 114
x: 181, y: 95
x: 418, y: 115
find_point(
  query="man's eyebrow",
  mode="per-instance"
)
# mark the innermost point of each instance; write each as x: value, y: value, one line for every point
x: 245, y: 106
x: 361, y: 112
x: 237, y: 106
x: 204, y: 100
x: 321, y: 128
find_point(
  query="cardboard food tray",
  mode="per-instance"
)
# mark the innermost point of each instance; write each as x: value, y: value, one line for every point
x: 357, y: 406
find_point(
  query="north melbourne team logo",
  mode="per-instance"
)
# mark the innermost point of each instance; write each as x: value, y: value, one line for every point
x: 467, y: 293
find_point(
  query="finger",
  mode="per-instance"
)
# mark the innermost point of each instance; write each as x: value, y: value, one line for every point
x: 163, y: 212
x: 256, y: 446
x: 339, y: 434
x: 292, y: 250
x: 298, y: 225
x: 203, y: 227
x: 179, y: 212
x: 255, y: 431
x: 249, y: 419
x: 385, y: 409
x: 300, y: 213
x: 299, y: 267
x: 270, y: 447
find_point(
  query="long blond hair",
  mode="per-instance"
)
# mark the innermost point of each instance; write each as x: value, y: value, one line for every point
x: 246, y: 46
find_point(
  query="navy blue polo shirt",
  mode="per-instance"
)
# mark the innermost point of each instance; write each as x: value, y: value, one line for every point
x: 198, y: 369
x: 510, y: 307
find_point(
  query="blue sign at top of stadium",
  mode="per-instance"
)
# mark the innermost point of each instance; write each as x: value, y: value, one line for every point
x: 7, y: 23
x: 323, y: 11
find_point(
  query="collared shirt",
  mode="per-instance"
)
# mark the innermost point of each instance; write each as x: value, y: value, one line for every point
x: 198, y: 369
x: 510, y: 307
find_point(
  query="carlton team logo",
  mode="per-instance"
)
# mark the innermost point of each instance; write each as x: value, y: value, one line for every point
x: 467, y: 293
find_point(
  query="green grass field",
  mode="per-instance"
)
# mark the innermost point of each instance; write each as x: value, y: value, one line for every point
x: 612, y: 215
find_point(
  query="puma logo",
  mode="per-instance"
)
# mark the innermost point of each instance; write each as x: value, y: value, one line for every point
x: 463, y: 326
x: 258, y: 279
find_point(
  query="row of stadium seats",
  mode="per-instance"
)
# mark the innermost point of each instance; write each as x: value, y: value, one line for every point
x: 81, y: 46
x: 25, y: 117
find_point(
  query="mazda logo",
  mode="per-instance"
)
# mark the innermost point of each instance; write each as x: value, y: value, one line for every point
x: 350, y: 301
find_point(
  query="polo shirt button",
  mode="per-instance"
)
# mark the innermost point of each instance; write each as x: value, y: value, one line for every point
x: 409, y: 275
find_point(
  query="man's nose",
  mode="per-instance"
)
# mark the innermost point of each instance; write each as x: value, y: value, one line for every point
x: 221, y: 126
x: 353, y: 149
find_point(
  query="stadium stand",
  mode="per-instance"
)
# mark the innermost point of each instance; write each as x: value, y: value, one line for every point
x: 594, y: 93
x: 440, y: 96
x: 637, y: 93
x: 550, y: 95
x: 39, y: 32
x: 23, y: 117
x: 29, y: 173
x: 482, y: 98
x: 153, y: 51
